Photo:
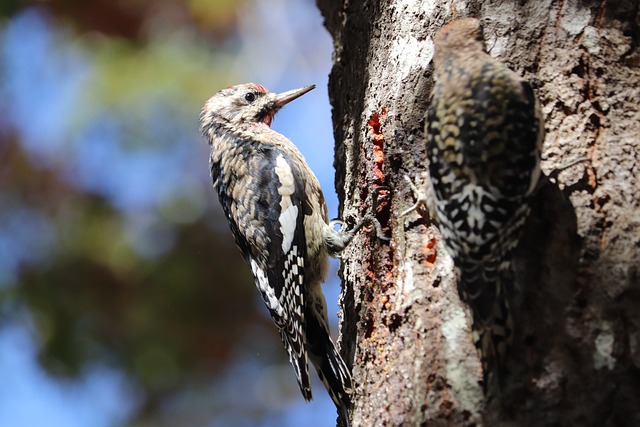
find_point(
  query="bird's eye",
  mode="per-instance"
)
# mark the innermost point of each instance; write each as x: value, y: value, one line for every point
x: 250, y: 97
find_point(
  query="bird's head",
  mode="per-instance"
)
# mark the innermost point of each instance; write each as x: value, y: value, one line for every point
x: 247, y: 103
x: 465, y: 33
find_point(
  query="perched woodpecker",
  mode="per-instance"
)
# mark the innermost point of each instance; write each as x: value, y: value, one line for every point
x: 484, y: 133
x: 277, y: 213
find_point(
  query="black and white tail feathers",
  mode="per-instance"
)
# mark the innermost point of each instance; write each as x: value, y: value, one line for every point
x: 486, y: 294
x: 330, y: 367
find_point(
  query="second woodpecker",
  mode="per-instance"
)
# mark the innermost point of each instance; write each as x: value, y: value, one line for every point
x: 484, y: 134
x: 277, y: 213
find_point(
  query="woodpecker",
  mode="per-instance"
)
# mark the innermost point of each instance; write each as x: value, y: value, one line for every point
x: 277, y: 214
x: 484, y: 133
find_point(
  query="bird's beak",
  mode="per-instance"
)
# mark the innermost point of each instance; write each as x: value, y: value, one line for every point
x: 275, y: 101
x: 283, y: 98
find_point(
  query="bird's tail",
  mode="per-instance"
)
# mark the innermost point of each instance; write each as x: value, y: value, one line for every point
x: 331, y: 369
x: 492, y: 323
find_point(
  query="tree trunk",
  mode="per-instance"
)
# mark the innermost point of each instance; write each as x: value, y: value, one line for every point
x: 576, y: 355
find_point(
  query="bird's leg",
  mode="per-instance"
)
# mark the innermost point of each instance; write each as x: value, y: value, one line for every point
x: 420, y: 194
x: 423, y: 193
x: 339, y: 239
x: 553, y: 175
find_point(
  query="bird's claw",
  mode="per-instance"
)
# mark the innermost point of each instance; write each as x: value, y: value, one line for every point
x: 418, y: 193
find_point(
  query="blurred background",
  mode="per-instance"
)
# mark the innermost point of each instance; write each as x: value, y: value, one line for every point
x: 123, y: 300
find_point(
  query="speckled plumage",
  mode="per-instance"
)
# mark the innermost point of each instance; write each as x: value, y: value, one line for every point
x: 485, y: 133
x: 277, y: 213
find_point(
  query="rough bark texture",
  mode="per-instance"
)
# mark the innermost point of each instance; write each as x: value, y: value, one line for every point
x: 404, y: 328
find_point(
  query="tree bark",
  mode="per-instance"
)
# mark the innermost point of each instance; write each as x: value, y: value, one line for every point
x: 576, y: 355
